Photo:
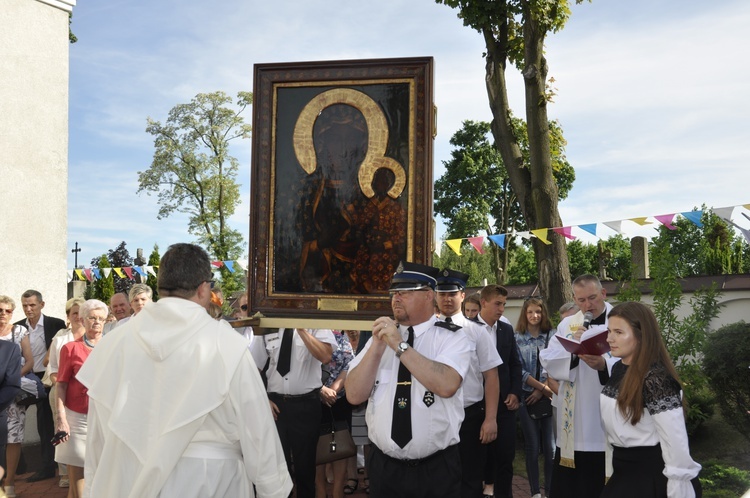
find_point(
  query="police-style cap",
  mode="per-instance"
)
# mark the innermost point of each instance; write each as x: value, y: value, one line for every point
x: 451, y: 281
x: 413, y: 276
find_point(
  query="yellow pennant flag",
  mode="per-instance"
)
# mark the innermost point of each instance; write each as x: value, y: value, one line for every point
x: 541, y: 234
x: 80, y: 274
x: 746, y: 206
x: 455, y: 244
x: 119, y: 272
x: 641, y: 221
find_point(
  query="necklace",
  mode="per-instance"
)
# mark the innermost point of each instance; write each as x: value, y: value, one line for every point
x: 86, y: 340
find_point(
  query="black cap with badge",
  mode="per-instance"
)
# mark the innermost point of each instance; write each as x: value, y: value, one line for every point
x: 451, y: 281
x: 413, y: 276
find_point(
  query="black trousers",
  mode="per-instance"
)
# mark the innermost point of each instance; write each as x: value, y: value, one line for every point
x: 437, y: 476
x: 45, y: 426
x: 298, y: 424
x: 584, y: 481
x: 473, y: 452
x: 505, y: 451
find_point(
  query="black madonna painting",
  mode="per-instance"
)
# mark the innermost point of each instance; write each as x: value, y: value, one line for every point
x: 342, y: 183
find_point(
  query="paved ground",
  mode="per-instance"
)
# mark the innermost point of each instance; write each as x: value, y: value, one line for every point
x: 49, y: 488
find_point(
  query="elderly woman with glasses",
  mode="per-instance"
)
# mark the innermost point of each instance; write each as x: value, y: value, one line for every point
x: 72, y: 400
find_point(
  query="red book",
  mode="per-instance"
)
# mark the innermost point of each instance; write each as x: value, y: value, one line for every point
x: 596, y: 344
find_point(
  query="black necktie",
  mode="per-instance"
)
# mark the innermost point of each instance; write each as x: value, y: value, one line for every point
x: 285, y: 354
x: 449, y: 319
x: 401, y: 424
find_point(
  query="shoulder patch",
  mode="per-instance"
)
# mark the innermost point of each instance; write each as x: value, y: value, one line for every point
x: 450, y: 326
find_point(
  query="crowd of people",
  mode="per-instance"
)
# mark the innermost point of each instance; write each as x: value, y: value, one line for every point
x: 166, y: 399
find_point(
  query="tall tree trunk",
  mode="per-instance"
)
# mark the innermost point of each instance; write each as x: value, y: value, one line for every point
x: 534, y: 186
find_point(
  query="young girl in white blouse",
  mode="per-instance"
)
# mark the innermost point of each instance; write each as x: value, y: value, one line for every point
x: 642, y: 413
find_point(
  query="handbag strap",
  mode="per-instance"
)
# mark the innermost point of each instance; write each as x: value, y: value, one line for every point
x: 538, y: 363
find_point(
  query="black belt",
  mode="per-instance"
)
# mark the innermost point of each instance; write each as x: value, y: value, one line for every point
x: 474, y: 409
x: 418, y: 461
x: 296, y: 397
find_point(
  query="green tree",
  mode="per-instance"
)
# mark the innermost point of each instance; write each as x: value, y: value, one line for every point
x: 514, y: 31
x: 118, y: 257
x: 153, y: 261
x: 474, y: 194
x: 194, y: 174
x: 522, y: 267
x: 101, y: 288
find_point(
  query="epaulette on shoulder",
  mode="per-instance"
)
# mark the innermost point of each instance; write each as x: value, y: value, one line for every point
x: 450, y: 326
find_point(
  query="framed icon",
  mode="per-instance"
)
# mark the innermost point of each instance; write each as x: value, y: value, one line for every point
x: 341, y: 184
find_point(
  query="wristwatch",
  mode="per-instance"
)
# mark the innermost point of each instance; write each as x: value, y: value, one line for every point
x: 403, y: 346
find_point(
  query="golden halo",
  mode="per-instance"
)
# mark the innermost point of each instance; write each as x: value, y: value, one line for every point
x: 377, y: 137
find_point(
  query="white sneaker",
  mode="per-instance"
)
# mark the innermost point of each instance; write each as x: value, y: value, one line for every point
x: 10, y: 491
x: 538, y: 495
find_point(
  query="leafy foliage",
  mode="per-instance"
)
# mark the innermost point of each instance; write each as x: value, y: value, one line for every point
x: 153, y: 260
x: 477, y: 266
x: 723, y: 481
x: 193, y: 173
x: 116, y: 258
x: 726, y: 358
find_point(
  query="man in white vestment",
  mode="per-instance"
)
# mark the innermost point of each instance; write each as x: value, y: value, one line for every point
x: 579, y: 460
x: 177, y: 407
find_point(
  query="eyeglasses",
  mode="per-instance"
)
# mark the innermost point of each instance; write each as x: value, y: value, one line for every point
x: 6, y: 311
x: 96, y: 319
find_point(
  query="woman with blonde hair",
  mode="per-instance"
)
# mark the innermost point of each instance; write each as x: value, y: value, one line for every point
x: 642, y: 412
x: 16, y: 414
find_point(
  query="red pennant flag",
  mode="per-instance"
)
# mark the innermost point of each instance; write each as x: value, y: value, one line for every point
x: 217, y: 264
x: 477, y: 243
x: 128, y: 271
x: 87, y: 272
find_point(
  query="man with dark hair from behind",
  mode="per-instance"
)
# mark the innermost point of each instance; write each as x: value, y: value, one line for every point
x: 185, y: 413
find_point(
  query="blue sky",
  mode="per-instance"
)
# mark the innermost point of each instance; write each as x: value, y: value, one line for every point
x: 652, y: 96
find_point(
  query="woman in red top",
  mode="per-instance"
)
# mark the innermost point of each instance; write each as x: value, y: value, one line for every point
x: 72, y: 396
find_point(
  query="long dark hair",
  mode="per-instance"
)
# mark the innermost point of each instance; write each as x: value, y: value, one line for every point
x: 523, y: 324
x: 649, y: 351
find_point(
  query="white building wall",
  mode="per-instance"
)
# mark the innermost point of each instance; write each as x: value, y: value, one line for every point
x: 34, y: 149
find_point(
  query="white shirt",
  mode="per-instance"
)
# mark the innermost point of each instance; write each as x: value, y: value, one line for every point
x: 484, y: 357
x: 61, y: 339
x: 304, y: 374
x: 38, y: 343
x: 588, y: 433
x: 434, y: 427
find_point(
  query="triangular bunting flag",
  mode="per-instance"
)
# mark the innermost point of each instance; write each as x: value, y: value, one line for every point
x: 80, y: 274
x: 541, y: 234
x: 746, y: 206
x: 565, y: 232
x: 498, y: 239
x: 615, y: 225
x: 150, y: 270
x: 128, y: 271
x: 140, y: 271
x: 589, y: 227
x: 477, y: 243
x: 242, y: 264
x: 666, y: 220
x: 455, y: 244
x: 642, y: 221
x: 694, y: 216
x: 97, y: 273
x: 119, y: 272
x: 725, y: 212
x: 107, y: 272
x: 70, y: 275
x: 217, y: 264
x: 524, y: 235
x: 439, y: 249
x: 87, y: 272
x: 229, y: 265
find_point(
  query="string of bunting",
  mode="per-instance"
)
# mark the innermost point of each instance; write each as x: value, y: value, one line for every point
x: 543, y: 234
x: 129, y: 272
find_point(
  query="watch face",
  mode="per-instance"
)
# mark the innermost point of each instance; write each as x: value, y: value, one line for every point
x: 403, y: 346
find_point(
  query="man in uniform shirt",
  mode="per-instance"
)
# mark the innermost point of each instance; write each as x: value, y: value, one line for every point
x: 42, y: 329
x: 481, y: 385
x: 493, y: 298
x: 294, y: 358
x: 411, y: 370
x: 579, y: 469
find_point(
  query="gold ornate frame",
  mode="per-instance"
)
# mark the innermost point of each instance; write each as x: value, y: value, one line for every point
x: 395, y: 100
